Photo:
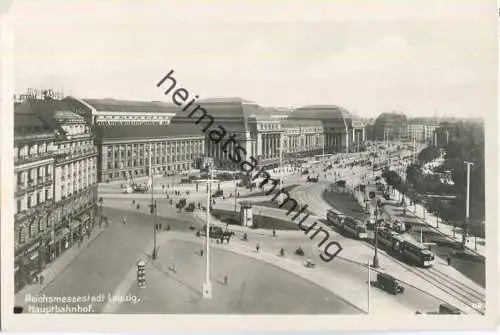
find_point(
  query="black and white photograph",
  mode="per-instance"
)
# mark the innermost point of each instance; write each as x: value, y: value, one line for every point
x: 250, y: 159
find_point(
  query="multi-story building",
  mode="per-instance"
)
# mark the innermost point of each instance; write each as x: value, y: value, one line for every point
x: 343, y: 131
x: 252, y: 126
x: 126, y: 131
x: 391, y: 127
x: 132, y: 151
x: 259, y: 131
x: 59, y: 206
x: 421, y: 129
x: 34, y: 171
x: 302, y: 138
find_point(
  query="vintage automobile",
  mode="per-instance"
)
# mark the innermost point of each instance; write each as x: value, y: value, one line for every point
x: 388, y: 283
x: 190, y: 207
x: 312, y: 179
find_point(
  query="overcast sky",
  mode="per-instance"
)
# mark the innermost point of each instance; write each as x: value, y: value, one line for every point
x: 418, y: 57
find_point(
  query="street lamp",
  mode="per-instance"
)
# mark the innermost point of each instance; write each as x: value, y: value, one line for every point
x: 375, y: 256
x: 153, y: 209
x: 464, y: 233
x: 207, y: 285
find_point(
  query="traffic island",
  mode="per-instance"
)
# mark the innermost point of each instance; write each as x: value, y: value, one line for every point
x: 259, y: 221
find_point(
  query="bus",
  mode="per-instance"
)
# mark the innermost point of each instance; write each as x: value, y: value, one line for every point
x: 417, y: 253
x: 355, y: 228
x: 389, y: 239
x: 335, y: 218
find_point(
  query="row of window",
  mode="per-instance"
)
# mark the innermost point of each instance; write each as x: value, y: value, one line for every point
x: 33, y: 200
x: 32, y: 175
x: 145, y: 162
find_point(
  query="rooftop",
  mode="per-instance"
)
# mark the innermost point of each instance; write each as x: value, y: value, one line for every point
x: 113, y: 105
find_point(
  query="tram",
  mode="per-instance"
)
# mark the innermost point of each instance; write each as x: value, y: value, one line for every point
x: 417, y: 253
x: 335, y: 218
x: 390, y: 239
x: 355, y: 228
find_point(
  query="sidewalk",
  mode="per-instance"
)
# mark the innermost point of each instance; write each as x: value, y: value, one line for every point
x: 57, y: 266
x: 447, y: 230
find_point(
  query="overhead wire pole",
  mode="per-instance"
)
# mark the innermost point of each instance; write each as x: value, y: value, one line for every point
x: 281, y: 168
x: 207, y: 286
x: 153, y: 206
x: 464, y: 233
x: 369, y: 286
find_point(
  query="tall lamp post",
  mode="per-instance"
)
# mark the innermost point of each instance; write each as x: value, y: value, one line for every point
x: 153, y: 210
x: 281, y: 166
x: 207, y: 285
x: 375, y: 256
x: 464, y: 233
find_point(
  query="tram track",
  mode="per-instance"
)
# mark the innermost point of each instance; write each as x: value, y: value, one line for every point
x: 457, y: 290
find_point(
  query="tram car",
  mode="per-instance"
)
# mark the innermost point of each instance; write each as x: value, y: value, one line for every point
x: 390, y: 239
x: 355, y: 228
x: 417, y: 253
x: 335, y: 218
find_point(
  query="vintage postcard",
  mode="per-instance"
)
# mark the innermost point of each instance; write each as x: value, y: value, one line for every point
x: 249, y: 165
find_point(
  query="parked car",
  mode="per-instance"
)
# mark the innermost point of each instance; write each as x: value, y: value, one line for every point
x: 388, y: 283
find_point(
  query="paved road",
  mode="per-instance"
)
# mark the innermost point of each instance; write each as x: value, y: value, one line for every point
x: 253, y: 287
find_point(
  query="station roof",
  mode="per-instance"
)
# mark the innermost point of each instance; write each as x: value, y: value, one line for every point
x: 234, y: 108
x: 114, y: 105
x: 293, y: 123
x: 331, y: 114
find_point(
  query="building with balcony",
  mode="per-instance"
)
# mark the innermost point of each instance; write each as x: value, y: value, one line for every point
x: 56, y: 192
x: 132, y: 151
x: 391, y: 127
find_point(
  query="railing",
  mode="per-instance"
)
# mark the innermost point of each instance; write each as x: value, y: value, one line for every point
x: 33, y: 158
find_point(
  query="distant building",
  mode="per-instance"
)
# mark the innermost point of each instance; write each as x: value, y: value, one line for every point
x: 391, y: 127
x: 56, y: 185
x: 421, y: 131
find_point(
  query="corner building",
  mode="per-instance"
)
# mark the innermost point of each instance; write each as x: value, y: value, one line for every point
x: 56, y: 190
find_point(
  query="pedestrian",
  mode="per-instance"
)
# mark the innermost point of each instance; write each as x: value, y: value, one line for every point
x: 225, y: 280
x: 42, y: 279
x: 257, y: 247
x: 201, y: 252
x: 124, y: 220
x: 448, y: 260
x: 274, y: 233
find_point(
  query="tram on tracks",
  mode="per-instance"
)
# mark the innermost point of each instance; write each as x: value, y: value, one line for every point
x: 417, y: 253
x: 335, y: 218
x: 390, y: 239
x: 355, y: 228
